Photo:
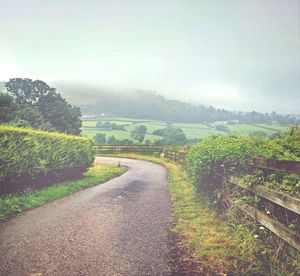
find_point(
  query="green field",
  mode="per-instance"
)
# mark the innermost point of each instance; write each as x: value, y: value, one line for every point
x: 192, y: 131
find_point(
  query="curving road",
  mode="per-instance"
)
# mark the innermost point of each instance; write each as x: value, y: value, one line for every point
x: 117, y: 228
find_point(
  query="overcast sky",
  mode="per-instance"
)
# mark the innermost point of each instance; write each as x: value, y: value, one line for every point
x: 236, y: 54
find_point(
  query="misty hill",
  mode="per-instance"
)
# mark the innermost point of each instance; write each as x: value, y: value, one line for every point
x: 143, y: 104
x: 2, y: 86
x: 148, y: 105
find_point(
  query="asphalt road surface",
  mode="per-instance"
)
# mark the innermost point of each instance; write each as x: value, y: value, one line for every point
x: 116, y: 228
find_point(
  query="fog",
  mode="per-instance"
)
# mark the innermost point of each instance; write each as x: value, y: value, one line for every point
x: 240, y: 55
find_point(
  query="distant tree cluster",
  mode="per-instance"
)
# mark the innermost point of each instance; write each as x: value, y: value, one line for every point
x: 100, y: 139
x: 109, y: 126
x: 222, y: 128
x: 171, y: 136
x: 35, y: 104
x: 139, y: 133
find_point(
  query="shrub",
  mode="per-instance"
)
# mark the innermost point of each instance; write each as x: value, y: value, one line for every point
x: 230, y: 151
x: 100, y: 138
x: 171, y: 136
x: 31, y: 152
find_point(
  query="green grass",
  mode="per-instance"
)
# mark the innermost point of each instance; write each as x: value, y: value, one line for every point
x: 218, y: 246
x: 246, y: 129
x: 119, y: 134
x: 99, y: 173
x: 191, y: 130
x: 274, y: 127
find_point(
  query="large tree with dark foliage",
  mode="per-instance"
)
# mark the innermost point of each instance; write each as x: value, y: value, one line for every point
x: 27, y: 91
x: 171, y: 136
x: 44, y: 108
x: 139, y: 133
x: 8, y: 108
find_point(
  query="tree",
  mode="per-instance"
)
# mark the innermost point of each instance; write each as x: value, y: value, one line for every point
x: 174, y: 136
x: 100, y: 139
x: 111, y: 140
x: 99, y: 124
x: 139, y: 133
x: 125, y: 141
x: 63, y: 116
x: 42, y: 107
x: 159, y: 132
x: 32, y: 117
x: 27, y: 91
x: 222, y: 128
x: 147, y: 142
x: 8, y: 108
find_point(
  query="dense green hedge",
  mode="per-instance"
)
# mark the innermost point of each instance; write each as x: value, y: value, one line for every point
x: 30, y: 152
x: 234, y: 153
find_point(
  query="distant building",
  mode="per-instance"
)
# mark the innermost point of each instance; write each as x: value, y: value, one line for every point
x: 219, y: 123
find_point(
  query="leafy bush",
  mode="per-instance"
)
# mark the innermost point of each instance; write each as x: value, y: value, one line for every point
x: 100, y: 138
x: 31, y: 152
x: 291, y: 142
x: 109, y: 126
x: 222, y: 128
x: 171, y: 136
x: 228, y: 151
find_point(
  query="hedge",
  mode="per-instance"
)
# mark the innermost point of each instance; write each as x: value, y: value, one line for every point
x: 231, y: 152
x: 235, y: 154
x: 31, y: 152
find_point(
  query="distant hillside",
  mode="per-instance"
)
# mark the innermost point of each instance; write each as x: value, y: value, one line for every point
x: 143, y: 104
x: 148, y: 105
x: 2, y: 86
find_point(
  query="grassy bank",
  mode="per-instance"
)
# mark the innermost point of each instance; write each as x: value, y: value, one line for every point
x: 98, y: 174
x: 216, y: 246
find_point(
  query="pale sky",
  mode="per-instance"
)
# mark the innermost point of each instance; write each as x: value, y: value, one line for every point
x: 236, y: 54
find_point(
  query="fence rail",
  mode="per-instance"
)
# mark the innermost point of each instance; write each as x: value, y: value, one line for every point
x: 176, y: 156
x: 278, y: 198
x: 277, y: 165
x: 99, y: 149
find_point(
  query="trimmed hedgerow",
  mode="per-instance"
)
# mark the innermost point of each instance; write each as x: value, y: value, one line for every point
x: 31, y: 152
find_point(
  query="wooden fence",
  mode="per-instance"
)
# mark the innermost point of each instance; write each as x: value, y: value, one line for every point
x: 176, y: 156
x: 146, y: 149
x: 278, y: 198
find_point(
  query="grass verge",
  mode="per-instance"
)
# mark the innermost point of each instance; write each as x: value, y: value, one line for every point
x: 14, y: 204
x: 218, y: 246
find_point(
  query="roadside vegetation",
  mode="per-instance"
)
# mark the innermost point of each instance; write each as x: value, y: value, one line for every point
x: 27, y: 156
x: 17, y: 203
x: 221, y: 237
x: 232, y: 156
x: 208, y: 244
x: 38, y: 167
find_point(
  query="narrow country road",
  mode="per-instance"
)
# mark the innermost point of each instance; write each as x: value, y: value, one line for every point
x: 117, y: 228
